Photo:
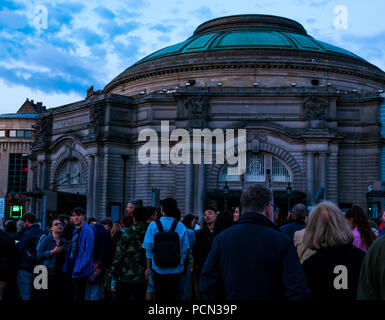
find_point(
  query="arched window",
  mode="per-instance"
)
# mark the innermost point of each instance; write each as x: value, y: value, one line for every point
x: 257, y: 166
x: 70, y: 173
x: 279, y: 172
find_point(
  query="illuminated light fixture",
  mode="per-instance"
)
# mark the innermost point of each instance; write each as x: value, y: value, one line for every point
x: 329, y: 84
x: 255, y: 84
x: 293, y: 84
x: 164, y: 90
x: 189, y: 83
x: 142, y: 92
x: 355, y: 91
x: 219, y: 84
x: 380, y: 91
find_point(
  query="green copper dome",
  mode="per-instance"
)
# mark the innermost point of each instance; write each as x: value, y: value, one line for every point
x: 249, y: 32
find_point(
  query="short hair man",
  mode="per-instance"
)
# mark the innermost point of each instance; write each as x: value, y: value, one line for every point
x: 26, y: 248
x: 166, y: 279
x: 131, y: 205
x: 297, y: 217
x: 79, y: 260
x: 253, y: 260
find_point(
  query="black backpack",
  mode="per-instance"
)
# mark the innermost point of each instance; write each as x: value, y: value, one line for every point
x: 166, y: 246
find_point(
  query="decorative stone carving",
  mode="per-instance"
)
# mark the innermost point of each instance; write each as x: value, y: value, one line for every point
x: 256, y: 138
x: 43, y: 129
x: 198, y: 107
x: 316, y: 108
x: 97, y: 113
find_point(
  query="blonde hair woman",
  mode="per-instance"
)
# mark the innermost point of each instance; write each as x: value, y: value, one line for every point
x: 332, y: 272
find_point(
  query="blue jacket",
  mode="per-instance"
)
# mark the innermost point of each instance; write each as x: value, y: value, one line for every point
x: 84, y: 258
x: 45, y: 245
x: 26, y: 247
x: 253, y: 260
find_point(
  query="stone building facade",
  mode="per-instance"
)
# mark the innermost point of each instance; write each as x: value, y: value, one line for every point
x: 16, y: 138
x: 311, y: 111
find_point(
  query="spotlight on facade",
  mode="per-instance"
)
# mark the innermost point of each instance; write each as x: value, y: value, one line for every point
x: 219, y: 84
x: 293, y: 84
x: 255, y: 84
x: 189, y: 83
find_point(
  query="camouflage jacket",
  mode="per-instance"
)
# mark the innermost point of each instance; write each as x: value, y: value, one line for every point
x: 129, y: 264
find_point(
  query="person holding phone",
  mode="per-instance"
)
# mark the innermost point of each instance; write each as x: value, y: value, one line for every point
x: 51, y: 253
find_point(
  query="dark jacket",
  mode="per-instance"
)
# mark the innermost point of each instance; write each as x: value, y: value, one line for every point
x: 102, y: 246
x: 321, y: 274
x: 203, y: 241
x: 253, y: 260
x: 26, y: 247
x: 292, y: 227
x: 8, y: 256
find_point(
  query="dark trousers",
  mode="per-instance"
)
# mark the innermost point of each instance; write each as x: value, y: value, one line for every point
x: 76, y: 288
x: 166, y: 286
x: 128, y: 291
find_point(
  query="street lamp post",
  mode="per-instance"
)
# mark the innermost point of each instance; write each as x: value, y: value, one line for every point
x: 226, y: 190
x: 289, y: 191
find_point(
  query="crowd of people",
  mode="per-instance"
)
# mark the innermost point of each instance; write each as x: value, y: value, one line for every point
x: 158, y: 255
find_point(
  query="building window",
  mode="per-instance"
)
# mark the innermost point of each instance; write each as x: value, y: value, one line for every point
x: 279, y: 171
x: 18, y: 172
x: 2, y: 133
x: 257, y: 165
x: 27, y: 133
x: 12, y: 133
x: 70, y: 173
x: 20, y: 134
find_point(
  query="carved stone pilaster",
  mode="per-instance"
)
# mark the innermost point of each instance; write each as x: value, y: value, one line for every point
x: 97, y: 116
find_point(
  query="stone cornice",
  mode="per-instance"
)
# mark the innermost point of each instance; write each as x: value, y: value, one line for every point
x: 234, y: 60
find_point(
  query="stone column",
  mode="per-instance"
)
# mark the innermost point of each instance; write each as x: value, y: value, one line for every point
x: 44, y: 184
x: 38, y: 179
x: 90, y: 187
x: 322, y: 171
x: 189, y: 188
x: 95, y: 203
x: 310, y: 174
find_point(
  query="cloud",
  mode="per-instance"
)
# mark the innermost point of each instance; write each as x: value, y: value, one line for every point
x: 62, y: 15
x: 11, y: 5
x: 164, y: 38
x: 12, y: 20
x: 203, y: 12
x: 319, y: 3
x: 104, y: 13
x: 112, y: 28
x: 162, y: 27
x: 88, y: 36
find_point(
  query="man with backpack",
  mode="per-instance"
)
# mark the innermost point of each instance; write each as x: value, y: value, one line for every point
x: 166, y: 244
x: 26, y: 248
